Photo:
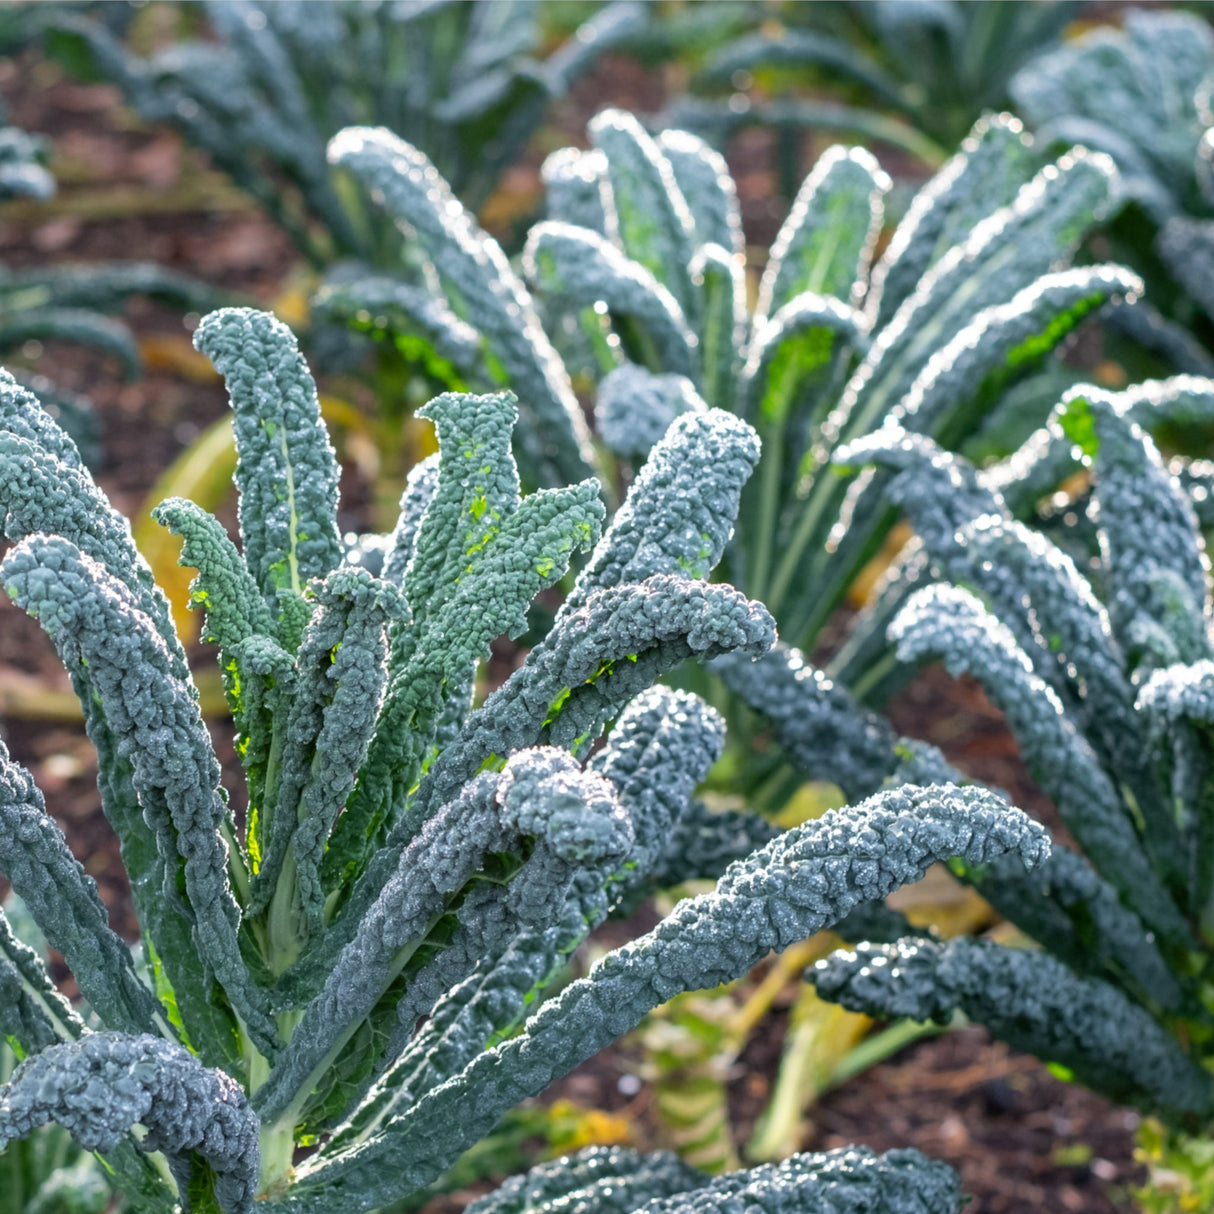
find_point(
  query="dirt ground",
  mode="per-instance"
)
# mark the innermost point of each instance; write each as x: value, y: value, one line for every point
x: 1022, y: 1140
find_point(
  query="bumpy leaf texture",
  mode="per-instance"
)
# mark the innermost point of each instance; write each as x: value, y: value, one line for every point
x: 286, y: 472
x: 94, y: 621
x: 824, y: 732
x: 103, y: 1085
x: 942, y: 621
x: 32, y: 1011
x: 1031, y: 1000
x: 634, y: 408
x: 616, y: 1181
x: 483, y: 290
x: 63, y: 900
x: 803, y: 880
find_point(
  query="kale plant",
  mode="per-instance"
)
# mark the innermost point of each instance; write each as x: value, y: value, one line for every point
x: 640, y: 276
x: 1143, y: 95
x: 278, y: 80
x: 357, y: 964
x: 967, y: 303
x: 1098, y: 648
x: 911, y: 75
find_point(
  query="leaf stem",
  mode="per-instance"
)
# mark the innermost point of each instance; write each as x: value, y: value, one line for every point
x: 769, y: 502
x: 819, y: 499
x: 886, y: 1044
x: 277, y: 1158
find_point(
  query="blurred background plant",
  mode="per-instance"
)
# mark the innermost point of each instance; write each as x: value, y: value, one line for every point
x: 262, y: 87
x: 911, y: 74
x: 75, y: 303
x: 23, y: 171
x: 1142, y: 93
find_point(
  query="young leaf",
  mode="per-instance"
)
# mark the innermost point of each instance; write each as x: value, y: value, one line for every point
x: 660, y: 748
x: 573, y: 188
x: 679, y: 512
x: 707, y: 187
x: 286, y: 472
x: 1003, y: 254
x: 1149, y: 539
x: 337, y: 689
x: 720, y: 279
x: 984, y: 176
x: 357, y: 296
x: 481, y: 555
x: 634, y: 408
x: 1004, y: 341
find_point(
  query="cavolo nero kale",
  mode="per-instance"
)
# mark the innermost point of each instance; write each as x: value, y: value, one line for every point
x: 1097, y: 646
x: 969, y: 298
x: 1142, y: 93
x: 639, y: 279
x: 359, y: 965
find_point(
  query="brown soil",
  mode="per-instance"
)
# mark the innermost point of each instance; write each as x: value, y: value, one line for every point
x: 1011, y: 1129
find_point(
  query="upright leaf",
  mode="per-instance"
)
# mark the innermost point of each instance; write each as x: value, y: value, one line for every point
x: 648, y: 216
x: 827, y: 240
x: 482, y: 290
